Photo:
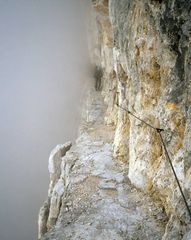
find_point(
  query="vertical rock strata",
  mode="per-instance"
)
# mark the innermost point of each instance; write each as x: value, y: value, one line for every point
x: 151, y: 60
x: 144, y: 48
x: 59, y: 182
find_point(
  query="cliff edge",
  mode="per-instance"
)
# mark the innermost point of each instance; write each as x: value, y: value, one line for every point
x: 116, y: 181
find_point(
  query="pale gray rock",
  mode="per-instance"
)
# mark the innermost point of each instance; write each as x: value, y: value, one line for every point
x: 54, y: 164
x: 151, y: 58
x: 50, y: 210
x: 42, y: 219
x: 100, y: 201
x: 144, y: 49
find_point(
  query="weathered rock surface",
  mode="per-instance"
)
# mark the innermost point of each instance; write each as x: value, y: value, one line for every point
x: 57, y: 189
x: 144, y: 49
x: 100, y: 202
x: 150, y: 58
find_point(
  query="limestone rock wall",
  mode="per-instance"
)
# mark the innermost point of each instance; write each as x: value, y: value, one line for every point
x: 144, y: 48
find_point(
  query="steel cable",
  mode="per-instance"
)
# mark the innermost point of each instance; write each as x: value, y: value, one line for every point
x: 159, y: 130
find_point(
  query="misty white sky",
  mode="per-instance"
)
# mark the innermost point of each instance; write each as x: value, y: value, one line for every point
x: 43, y: 65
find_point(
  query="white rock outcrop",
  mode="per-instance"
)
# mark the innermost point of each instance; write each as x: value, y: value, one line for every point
x: 50, y: 210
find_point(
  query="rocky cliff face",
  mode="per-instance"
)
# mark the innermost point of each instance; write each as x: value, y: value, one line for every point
x: 143, y: 48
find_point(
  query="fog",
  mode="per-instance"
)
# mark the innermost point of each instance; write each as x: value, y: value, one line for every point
x: 43, y: 65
